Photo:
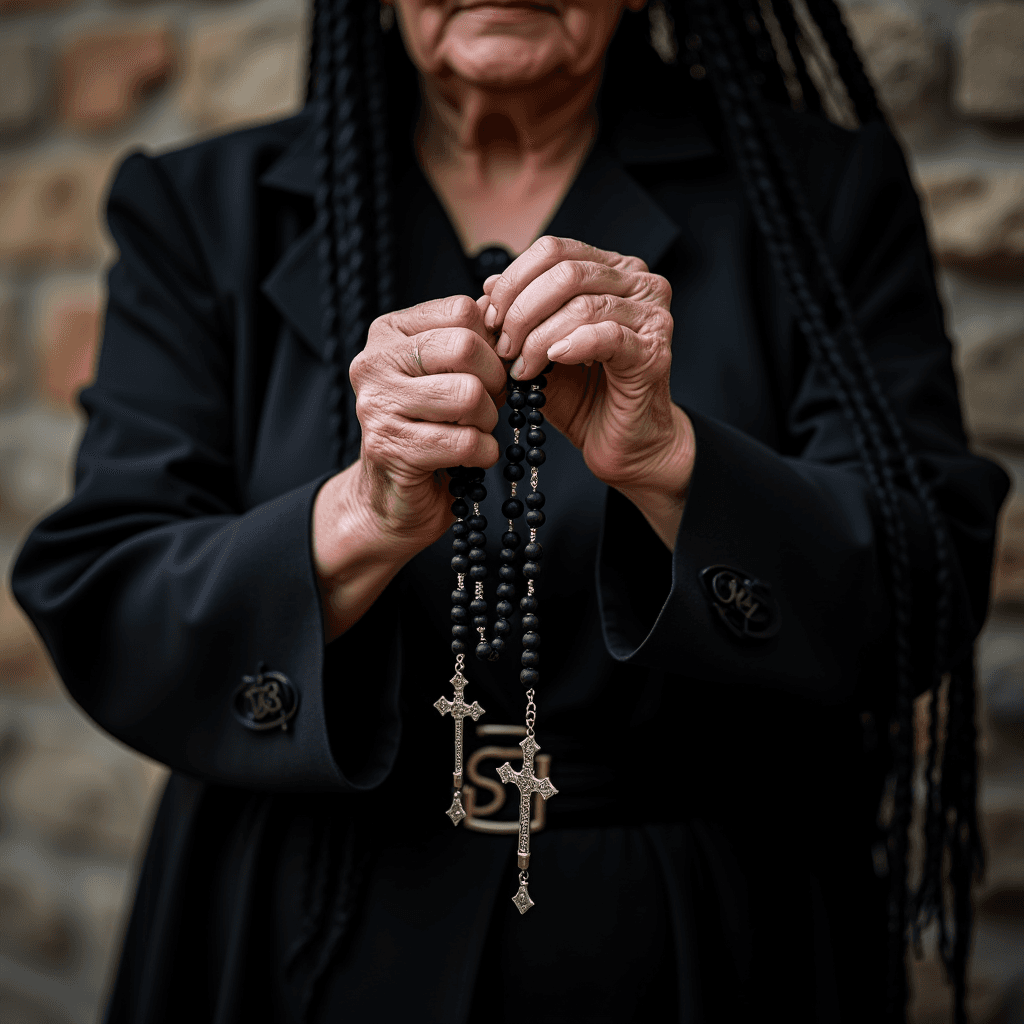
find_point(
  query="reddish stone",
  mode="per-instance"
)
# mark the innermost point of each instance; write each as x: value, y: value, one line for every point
x: 69, y: 346
x: 103, y: 76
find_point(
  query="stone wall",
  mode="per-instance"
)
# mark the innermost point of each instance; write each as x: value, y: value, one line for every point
x: 85, y: 82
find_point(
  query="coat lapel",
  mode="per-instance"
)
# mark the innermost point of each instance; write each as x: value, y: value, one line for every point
x: 607, y: 206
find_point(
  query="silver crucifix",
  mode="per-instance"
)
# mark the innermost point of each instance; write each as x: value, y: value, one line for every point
x: 458, y: 709
x: 528, y: 784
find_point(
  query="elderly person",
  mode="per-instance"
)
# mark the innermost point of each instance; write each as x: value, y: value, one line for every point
x: 753, y: 533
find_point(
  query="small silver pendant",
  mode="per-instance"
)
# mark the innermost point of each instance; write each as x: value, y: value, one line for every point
x: 456, y: 811
x: 522, y: 898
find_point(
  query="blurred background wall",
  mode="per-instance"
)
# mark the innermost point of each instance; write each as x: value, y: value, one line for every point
x: 83, y: 82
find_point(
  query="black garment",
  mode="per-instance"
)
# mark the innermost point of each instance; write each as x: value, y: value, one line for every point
x: 731, y: 787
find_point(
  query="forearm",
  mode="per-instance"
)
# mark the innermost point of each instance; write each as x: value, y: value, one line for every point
x: 355, y: 553
x: 662, y: 497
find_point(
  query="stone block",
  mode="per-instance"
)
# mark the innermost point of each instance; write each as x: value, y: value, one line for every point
x: 240, y: 71
x: 23, y: 97
x: 37, y: 445
x: 67, y: 340
x: 976, y: 221
x: 51, y: 211
x: 992, y: 391
x: 1008, y: 574
x: 34, y: 927
x: 904, y: 59
x: 23, y: 662
x: 86, y: 800
x: 24, y: 6
x: 991, y: 83
x: 102, y: 76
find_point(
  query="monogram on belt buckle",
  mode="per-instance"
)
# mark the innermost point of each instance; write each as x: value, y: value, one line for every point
x: 477, y: 814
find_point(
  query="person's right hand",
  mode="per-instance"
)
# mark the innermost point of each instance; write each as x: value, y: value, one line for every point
x: 427, y: 386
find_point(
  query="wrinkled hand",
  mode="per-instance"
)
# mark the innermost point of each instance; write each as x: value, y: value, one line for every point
x: 603, y: 319
x: 426, y: 386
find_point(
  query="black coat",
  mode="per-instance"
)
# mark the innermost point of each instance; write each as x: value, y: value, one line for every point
x: 717, y: 796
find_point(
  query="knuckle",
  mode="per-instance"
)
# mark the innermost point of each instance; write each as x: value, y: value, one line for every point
x: 550, y: 246
x: 460, y: 344
x: 462, y: 310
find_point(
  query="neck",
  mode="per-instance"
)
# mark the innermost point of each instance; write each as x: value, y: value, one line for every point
x: 501, y: 160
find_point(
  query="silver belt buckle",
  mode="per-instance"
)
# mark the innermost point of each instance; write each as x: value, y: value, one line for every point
x: 477, y: 814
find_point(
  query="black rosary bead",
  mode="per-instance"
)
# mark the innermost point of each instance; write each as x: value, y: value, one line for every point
x: 536, y: 399
x: 531, y: 641
x: 535, y: 499
x: 501, y: 627
x: 506, y: 573
x: 460, y: 529
x: 531, y: 623
x: 460, y: 597
x: 459, y: 546
x: 534, y: 417
x: 477, y: 572
x: 510, y: 539
x: 533, y: 551
x: 529, y: 677
x: 536, y: 456
x: 459, y: 614
x: 516, y: 399
x: 475, y: 474
x: 528, y: 603
x: 476, y: 492
x: 477, y: 555
x: 460, y: 630
x: 504, y: 608
x: 531, y: 570
x: 478, y: 606
x: 535, y: 518
x: 460, y: 563
x: 516, y: 420
x: 479, y: 620
x: 529, y: 659
x: 484, y: 651
x: 507, y: 555
x: 476, y: 539
x: 497, y: 648
x: 460, y: 509
x: 506, y: 591
x: 515, y: 453
x: 536, y: 436
x: 458, y: 647
x: 513, y: 472
x: 457, y: 486
x: 512, y: 508
x: 477, y: 522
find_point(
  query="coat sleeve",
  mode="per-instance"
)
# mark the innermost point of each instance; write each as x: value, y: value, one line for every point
x: 804, y: 519
x: 155, y: 591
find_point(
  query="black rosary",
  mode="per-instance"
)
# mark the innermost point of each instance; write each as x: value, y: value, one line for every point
x: 469, y: 609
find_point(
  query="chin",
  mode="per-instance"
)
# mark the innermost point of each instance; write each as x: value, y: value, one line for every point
x: 505, y: 63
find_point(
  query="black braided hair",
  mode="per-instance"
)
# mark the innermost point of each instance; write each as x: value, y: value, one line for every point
x: 363, y: 89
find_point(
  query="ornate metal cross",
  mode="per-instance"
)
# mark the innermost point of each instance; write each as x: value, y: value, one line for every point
x: 528, y: 784
x: 458, y: 709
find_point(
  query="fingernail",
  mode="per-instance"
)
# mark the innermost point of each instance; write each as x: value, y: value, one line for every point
x: 558, y: 349
x: 491, y: 317
x: 504, y: 346
x: 517, y: 368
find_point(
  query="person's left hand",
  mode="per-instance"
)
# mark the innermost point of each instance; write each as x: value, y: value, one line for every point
x: 603, y: 319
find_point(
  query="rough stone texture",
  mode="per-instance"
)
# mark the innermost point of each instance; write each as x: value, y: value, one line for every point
x: 239, y: 72
x: 1008, y: 579
x: 50, y: 210
x: 24, y: 91
x: 68, y: 342
x: 904, y: 59
x: 20, y: 6
x: 976, y: 221
x: 37, y: 446
x: 992, y: 391
x: 992, y: 63
x: 104, y: 75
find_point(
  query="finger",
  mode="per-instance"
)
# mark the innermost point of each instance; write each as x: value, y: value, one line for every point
x: 589, y: 309
x: 622, y: 351
x: 427, y: 447
x: 545, y: 253
x: 552, y: 290
x: 489, y: 285
x: 448, y: 398
x: 451, y: 311
x: 452, y: 350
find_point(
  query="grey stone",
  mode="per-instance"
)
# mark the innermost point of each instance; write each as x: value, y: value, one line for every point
x: 23, y: 96
x: 991, y: 82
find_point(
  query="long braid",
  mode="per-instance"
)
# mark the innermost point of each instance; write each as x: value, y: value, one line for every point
x: 740, y: 94
x: 791, y: 33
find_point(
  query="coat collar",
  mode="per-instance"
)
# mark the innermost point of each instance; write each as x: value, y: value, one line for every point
x: 606, y: 206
